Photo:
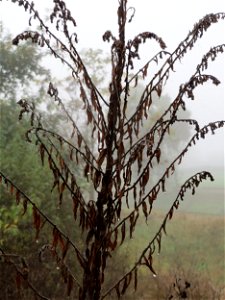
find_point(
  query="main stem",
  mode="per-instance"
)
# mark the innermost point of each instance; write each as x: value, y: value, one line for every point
x: 94, y: 271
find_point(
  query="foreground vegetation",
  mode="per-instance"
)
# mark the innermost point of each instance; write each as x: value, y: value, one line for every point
x: 105, y: 180
x: 192, y: 252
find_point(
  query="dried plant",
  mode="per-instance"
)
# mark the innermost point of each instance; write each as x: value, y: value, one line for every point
x: 120, y: 147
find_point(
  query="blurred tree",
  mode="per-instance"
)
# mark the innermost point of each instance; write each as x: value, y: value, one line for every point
x: 20, y: 160
x: 20, y: 67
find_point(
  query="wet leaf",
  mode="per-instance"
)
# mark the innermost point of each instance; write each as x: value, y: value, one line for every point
x: 101, y: 157
x: 171, y: 213
x: 79, y: 139
x: 17, y: 197
x: 18, y: 281
x: 42, y: 153
x: 145, y: 177
x: 65, y: 248
x: 69, y: 285
x: 24, y: 206
x: 135, y: 279
x: 145, y: 210
x: 123, y: 232
x: 36, y: 221
x: 11, y: 189
x: 158, y: 154
x: 55, y: 235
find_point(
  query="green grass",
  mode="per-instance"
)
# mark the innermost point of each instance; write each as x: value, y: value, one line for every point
x: 193, y: 250
x: 208, y: 199
x: 195, y: 237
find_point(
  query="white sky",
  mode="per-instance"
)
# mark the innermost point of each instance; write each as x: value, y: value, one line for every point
x: 170, y: 20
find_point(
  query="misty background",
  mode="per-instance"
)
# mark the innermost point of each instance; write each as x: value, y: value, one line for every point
x: 171, y: 21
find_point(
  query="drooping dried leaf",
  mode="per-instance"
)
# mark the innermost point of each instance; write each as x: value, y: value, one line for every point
x: 65, y: 248
x: 145, y: 210
x: 145, y: 178
x: 118, y: 291
x: 61, y: 242
x: 159, y: 238
x: 150, y: 259
x: 113, y: 244
x: 158, y: 154
x: 18, y: 281
x: 42, y: 153
x: 79, y: 139
x: 135, y: 278
x: 24, y: 206
x: 101, y: 157
x: 123, y: 232
x: 18, y: 195
x: 75, y: 207
x: 90, y: 235
x: 36, y: 221
x: 69, y: 285
x: 171, y: 213
x: 55, y: 235
x: 97, y: 178
x: 11, y: 189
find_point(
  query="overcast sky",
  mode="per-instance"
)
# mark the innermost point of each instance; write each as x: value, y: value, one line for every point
x: 170, y: 20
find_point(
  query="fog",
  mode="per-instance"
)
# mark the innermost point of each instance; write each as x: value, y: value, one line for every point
x: 171, y: 20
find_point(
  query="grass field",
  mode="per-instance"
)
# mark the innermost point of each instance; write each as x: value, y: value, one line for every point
x: 208, y: 199
x: 193, y: 242
x: 194, y: 248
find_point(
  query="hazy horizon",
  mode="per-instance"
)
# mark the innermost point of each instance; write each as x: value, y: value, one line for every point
x: 165, y: 19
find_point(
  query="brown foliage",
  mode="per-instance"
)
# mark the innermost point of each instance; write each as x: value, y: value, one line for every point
x: 111, y: 169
